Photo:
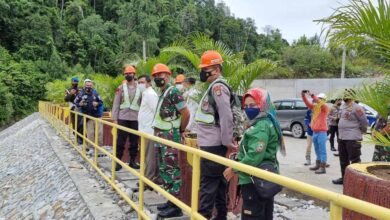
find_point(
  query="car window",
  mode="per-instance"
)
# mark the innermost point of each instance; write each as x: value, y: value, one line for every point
x: 368, y: 111
x: 276, y: 105
x: 286, y: 105
x: 299, y: 105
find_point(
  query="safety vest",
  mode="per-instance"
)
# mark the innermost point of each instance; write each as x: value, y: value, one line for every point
x: 166, y: 123
x: 133, y: 105
x: 200, y: 115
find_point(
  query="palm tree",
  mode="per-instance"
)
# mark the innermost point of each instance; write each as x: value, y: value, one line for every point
x: 361, y: 22
x: 376, y: 95
x: 238, y: 74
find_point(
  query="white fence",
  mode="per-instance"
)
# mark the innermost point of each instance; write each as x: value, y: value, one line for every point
x: 291, y: 88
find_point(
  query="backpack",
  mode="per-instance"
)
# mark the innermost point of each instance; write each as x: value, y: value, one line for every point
x: 236, y: 107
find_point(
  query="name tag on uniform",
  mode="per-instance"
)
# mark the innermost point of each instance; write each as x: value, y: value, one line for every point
x: 248, y: 212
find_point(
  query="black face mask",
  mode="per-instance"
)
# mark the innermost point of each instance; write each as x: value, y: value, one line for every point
x: 88, y: 89
x: 203, y: 75
x: 160, y: 82
x: 129, y: 77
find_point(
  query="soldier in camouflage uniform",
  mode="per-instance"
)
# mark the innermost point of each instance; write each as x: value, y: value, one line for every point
x: 170, y: 121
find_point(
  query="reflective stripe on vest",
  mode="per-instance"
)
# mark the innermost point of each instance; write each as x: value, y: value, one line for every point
x: 200, y: 115
x: 133, y: 105
x: 160, y: 123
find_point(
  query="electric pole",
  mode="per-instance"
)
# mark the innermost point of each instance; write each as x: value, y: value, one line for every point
x: 343, y: 62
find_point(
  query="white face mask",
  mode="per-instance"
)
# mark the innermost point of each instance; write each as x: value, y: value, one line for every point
x: 179, y: 87
x: 142, y: 87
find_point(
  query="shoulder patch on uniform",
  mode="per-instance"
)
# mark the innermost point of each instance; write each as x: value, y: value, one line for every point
x: 118, y: 90
x: 359, y: 112
x: 217, y: 89
x: 261, y: 147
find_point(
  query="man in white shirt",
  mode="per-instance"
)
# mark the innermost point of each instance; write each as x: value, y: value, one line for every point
x: 146, y: 113
x: 190, y: 96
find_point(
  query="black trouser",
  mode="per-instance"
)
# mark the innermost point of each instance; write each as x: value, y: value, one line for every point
x: 349, y: 152
x: 133, y: 139
x: 334, y: 131
x: 254, y: 207
x: 213, y: 185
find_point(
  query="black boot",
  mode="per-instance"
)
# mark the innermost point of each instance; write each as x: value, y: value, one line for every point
x: 332, y: 148
x: 170, y: 212
x: 133, y: 164
x: 316, y: 167
x: 338, y: 181
x: 118, y: 167
x: 164, y: 206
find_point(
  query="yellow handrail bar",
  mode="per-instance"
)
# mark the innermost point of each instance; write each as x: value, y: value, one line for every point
x: 337, y: 201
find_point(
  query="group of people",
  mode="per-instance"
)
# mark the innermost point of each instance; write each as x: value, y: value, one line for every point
x: 345, y: 119
x: 155, y: 106
x: 85, y: 100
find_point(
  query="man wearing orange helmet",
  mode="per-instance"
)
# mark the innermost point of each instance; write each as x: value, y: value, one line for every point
x: 170, y: 122
x: 125, y: 112
x: 179, y: 80
x: 215, y: 134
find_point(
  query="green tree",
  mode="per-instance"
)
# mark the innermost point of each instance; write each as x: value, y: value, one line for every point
x: 239, y: 75
x: 361, y: 22
x: 309, y: 61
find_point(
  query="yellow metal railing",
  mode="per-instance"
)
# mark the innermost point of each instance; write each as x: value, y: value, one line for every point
x: 57, y: 116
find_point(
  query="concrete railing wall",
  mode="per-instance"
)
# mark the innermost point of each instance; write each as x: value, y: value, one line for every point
x: 291, y: 88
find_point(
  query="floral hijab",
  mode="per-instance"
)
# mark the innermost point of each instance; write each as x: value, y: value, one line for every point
x: 267, y: 109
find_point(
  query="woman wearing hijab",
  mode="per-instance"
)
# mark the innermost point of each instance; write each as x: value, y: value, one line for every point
x: 259, y: 145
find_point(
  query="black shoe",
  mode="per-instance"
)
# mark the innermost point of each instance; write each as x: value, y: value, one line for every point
x: 333, y: 149
x: 118, y: 167
x: 170, y: 212
x: 339, y: 181
x: 164, y: 206
x: 336, y: 154
x: 134, y: 165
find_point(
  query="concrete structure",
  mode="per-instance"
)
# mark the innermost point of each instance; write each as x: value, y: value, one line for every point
x: 291, y: 88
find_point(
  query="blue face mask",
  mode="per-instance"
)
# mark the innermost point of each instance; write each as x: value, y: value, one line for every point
x: 251, y: 113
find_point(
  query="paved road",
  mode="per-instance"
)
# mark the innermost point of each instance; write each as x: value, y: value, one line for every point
x: 292, y: 165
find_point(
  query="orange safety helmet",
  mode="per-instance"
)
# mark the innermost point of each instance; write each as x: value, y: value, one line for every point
x: 180, y: 78
x: 129, y: 69
x: 210, y: 58
x: 161, y: 68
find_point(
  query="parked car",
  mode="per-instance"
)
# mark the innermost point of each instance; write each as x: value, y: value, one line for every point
x: 370, y: 114
x: 291, y: 114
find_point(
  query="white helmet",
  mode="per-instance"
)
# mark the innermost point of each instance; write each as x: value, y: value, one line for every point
x: 87, y: 80
x: 321, y: 96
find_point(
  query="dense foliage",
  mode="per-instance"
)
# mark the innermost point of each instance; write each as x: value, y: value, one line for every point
x: 45, y: 40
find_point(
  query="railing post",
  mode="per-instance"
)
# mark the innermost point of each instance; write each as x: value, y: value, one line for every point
x: 84, y: 135
x: 113, y: 164
x: 63, y: 119
x: 195, y: 184
x: 69, y: 123
x: 56, y: 116
x: 142, y: 173
x: 76, y: 120
x: 336, y: 212
x: 95, y: 158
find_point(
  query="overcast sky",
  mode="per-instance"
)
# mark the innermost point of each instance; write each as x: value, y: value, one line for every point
x: 294, y: 18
